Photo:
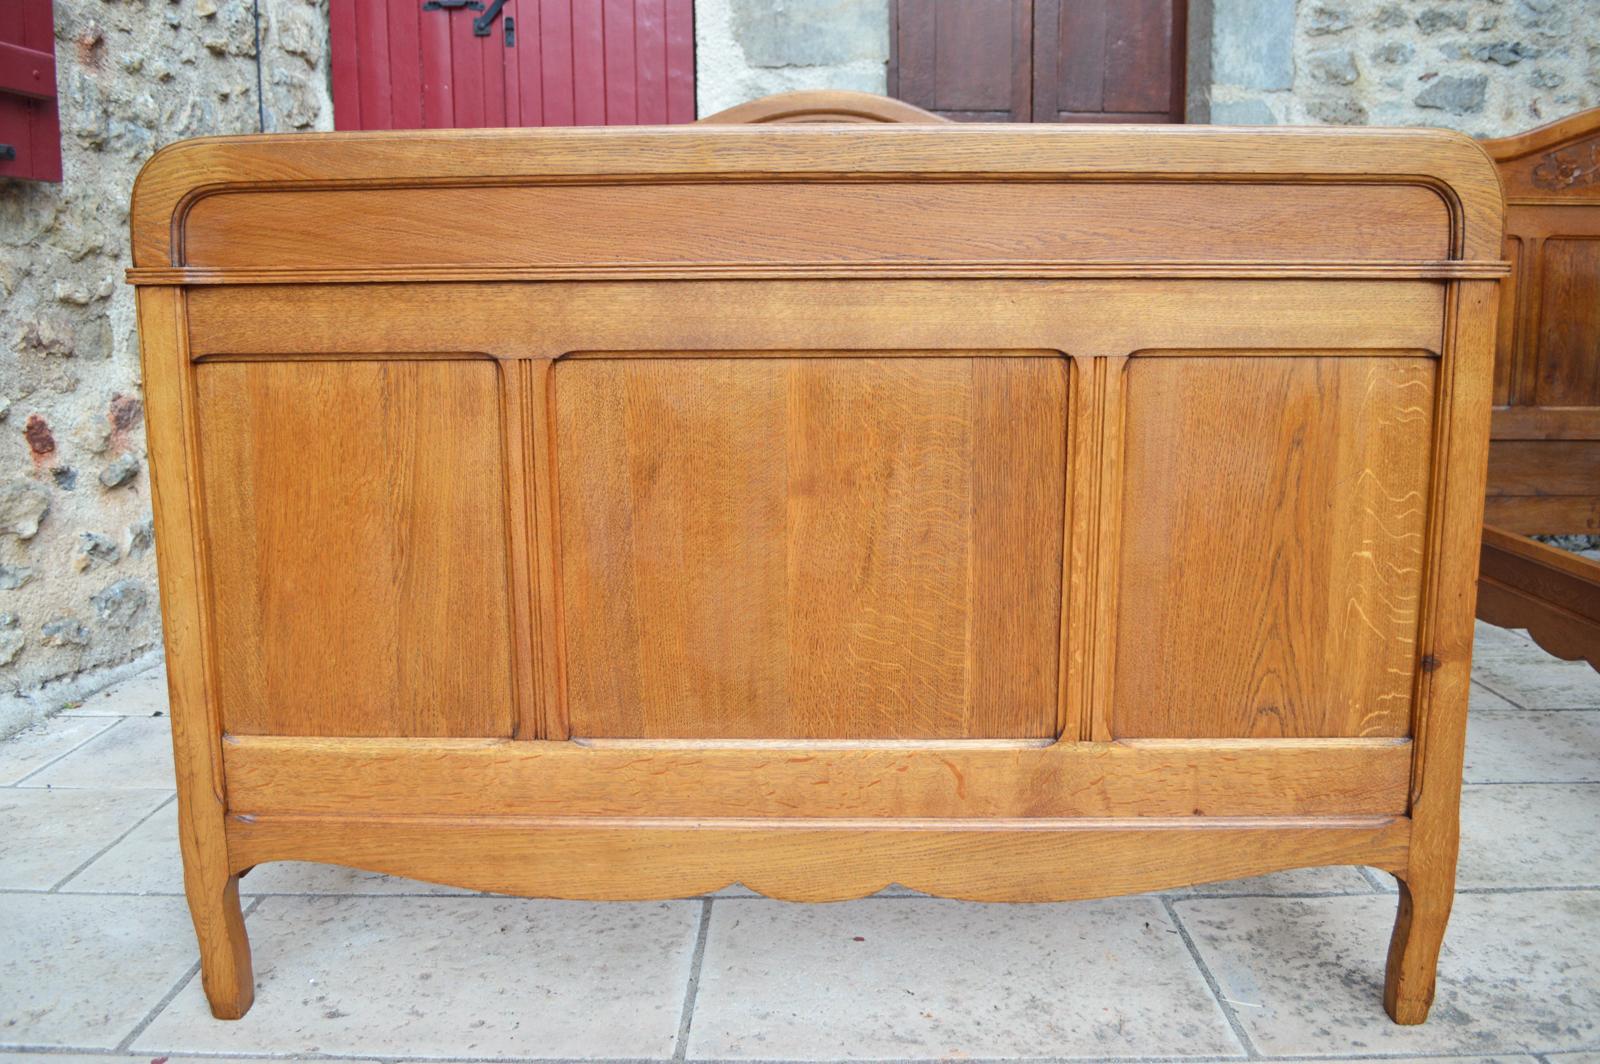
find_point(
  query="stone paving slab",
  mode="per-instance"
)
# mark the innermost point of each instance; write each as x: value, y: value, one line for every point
x: 33, y: 749
x: 1338, y: 880
x: 1519, y: 836
x: 474, y: 977
x: 1481, y: 698
x: 928, y: 978
x: 45, y: 835
x: 1305, y: 976
x: 144, y: 695
x: 95, y: 968
x: 1512, y: 666
x: 134, y: 752
x: 1530, y: 746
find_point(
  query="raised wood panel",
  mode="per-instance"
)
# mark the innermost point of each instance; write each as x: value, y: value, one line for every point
x: 811, y: 547
x: 767, y: 222
x: 1546, y: 423
x: 355, y: 523
x: 1569, y: 323
x: 1272, y: 546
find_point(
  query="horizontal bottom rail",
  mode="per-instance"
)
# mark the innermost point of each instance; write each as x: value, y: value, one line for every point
x: 985, y: 779
x: 826, y: 860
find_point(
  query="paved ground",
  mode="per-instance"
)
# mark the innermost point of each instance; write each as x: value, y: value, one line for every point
x: 97, y: 958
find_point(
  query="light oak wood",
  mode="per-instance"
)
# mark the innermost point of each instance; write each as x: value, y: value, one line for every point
x: 815, y: 547
x: 802, y: 779
x: 818, y: 860
x: 1445, y: 633
x: 358, y: 539
x: 1017, y: 514
x: 821, y: 105
x: 788, y: 223
x: 1243, y: 610
x: 209, y: 882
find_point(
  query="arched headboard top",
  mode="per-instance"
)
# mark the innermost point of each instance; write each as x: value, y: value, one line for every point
x: 822, y: 105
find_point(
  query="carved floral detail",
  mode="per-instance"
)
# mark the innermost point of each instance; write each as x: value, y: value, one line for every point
x: 1572, y: 167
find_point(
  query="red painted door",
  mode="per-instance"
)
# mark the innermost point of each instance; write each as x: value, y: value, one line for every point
x: 433, y: 64
x: 30, y: 129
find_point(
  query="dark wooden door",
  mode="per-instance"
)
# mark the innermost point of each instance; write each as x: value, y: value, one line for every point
x: 968, y: 60
x: 1040, y: 60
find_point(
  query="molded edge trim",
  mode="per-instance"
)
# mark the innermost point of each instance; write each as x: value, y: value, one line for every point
x: 1452, y: 164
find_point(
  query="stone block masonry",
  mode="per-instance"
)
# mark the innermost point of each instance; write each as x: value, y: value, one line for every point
x: 746, y: 49
x: 1486, y: 67
x: 77, y: 568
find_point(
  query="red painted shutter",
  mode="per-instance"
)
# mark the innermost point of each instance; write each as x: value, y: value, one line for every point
x: 543, y: 63
x: 30, y: 129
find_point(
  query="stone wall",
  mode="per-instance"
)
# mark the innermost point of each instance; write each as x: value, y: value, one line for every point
x: 1486, y: 67
x: 745, y: 49
x: 77, y: 574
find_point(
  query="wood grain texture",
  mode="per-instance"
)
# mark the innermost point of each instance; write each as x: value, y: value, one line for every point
x: 817, y: 861
x: 756, y: 222
x: 1445, y: 636
x: 356, y: 526
x: 1272, y: 551
x: 1081, y: 317
x: 1531, y: 514
x: 800, y: 779
x: 826, y: 547
x: 209, y: 882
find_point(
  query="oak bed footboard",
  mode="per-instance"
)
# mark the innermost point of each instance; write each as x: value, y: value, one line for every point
x: 1017, y: 514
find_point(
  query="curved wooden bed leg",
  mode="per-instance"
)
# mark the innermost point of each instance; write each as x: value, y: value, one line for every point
x: 1414, y: 949
x: 211, y: 888
x: 225, y: 969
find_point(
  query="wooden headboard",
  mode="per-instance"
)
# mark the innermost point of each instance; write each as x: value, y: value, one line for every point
x: 1544, y: 458
x: 1544, y: 463
x: 1009, y: 512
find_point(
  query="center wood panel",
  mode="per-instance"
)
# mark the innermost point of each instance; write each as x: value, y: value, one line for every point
x: 837, y: 548
x: 1272, y: 546
x: 356, y: 523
